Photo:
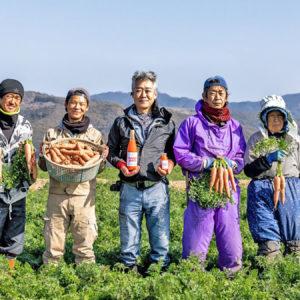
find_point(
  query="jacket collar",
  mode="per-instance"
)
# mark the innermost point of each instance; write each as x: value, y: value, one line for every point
x: 157, y: 113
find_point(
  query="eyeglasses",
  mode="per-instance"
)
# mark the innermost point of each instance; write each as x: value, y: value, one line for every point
x: 11, y: 96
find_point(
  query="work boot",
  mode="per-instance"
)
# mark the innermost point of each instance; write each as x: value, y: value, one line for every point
x: 269, y: 249
x: 292, y: 247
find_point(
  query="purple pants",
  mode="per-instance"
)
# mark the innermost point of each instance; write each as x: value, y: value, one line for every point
x: 199, y: 226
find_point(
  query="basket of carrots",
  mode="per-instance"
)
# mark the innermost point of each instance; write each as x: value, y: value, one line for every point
x: 72, y: 160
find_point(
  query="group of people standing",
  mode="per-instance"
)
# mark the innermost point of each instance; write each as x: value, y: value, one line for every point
x: 209, y: 134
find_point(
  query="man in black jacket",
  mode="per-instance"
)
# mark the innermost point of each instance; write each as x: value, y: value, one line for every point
x: 144, y: 190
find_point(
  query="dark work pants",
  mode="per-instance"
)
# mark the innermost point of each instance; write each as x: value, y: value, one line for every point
x: 12, y: 227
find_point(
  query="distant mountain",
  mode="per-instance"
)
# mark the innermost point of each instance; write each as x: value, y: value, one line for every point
x: 124, y: 99
x: 45, y: 111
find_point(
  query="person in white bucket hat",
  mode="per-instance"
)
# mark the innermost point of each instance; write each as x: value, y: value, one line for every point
x: 270, y: 224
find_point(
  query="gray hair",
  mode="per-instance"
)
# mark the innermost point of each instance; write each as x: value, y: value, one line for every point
x: 142, y: 75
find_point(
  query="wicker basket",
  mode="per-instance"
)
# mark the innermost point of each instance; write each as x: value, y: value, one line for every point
x: 73, y: 174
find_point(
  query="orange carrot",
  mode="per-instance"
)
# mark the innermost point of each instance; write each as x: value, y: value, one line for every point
x: 34, y: 171
x: 81, y: 161
x: 276, y: 183
x: 217, y: 184
x: 93, y: 160
x: 67, y: 146
x: 70, y: 152
x: 28, y: 153
x: 213, y: 175
x: 282, y: 189
x: 59, y: 154
x: 54, y: 156
x: 231, y: 179
x: 226, y: 182
x: 220, y: 172
x: 90, y: 152
x: 84, y: 156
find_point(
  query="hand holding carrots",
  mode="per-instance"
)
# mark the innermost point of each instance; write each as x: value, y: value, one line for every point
x: 274, y: 150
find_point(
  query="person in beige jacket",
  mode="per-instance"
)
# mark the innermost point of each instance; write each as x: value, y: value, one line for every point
x: 72, y: 205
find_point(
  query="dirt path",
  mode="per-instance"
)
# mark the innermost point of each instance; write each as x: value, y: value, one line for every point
x: 177, y: 184
x: 40, y: 183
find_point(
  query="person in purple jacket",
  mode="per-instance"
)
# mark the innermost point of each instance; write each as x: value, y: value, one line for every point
x: 201, y: 138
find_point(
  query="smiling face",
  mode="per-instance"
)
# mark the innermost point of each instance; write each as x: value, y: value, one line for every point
x: 76, y: 108
x: 10, y: 102
x: 144, y: 95
x: 215, y: 96
x: 275, y: 121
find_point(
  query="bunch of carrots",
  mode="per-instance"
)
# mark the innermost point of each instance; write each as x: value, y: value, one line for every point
x: 266, y: 146
x: 220, y: 176
x: 72, y: 153
x: 213, y: 189
x: 23, y: 166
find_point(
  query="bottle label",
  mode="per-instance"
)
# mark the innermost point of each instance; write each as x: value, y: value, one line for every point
x: 132, y: 159
x: 164, y: 164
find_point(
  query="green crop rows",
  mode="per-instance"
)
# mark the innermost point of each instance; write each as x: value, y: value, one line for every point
x: 259, y: 279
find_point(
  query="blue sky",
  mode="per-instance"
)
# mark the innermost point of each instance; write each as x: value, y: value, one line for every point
x: 51, y: 46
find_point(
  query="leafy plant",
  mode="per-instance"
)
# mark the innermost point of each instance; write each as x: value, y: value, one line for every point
x: 270, y: 144
x: 199, y: 191
x: 16, y: 172
x: 184, y: 279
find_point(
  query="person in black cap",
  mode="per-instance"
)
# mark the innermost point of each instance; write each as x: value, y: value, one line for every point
x: 14, y: 130
x: 72, y: 205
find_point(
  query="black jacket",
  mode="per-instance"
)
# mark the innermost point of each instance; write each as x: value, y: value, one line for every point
x: 160, y: 139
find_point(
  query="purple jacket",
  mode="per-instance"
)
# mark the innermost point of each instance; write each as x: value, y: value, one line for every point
x: 198, y: 139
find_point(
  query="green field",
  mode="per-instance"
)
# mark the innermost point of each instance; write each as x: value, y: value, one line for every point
x: 259, y: 279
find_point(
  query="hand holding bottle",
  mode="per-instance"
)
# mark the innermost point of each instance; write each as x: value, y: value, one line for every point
x: 166, y: 165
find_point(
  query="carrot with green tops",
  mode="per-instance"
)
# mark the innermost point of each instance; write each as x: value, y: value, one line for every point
x: 220, y: 172
x: 231, y: 178
x: 226, y: 182
x: 276, y: 183
x: 282, y: 189
x: 28, y: 154
x: 217, y: 184
x: 34, y: 171
x: 213, y: 176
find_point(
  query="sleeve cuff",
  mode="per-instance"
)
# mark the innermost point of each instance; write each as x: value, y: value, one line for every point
x: 120, y: 164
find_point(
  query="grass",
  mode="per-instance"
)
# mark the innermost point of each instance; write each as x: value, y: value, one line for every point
x: 259, y: 278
